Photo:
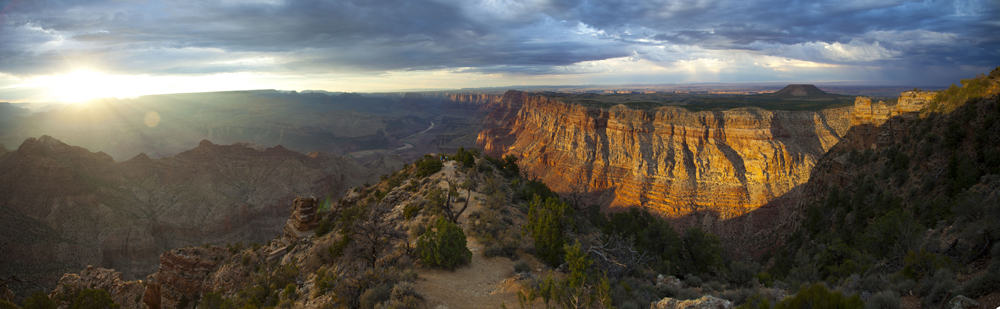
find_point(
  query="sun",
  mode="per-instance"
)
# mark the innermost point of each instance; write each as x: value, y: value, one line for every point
x: 81, y: 86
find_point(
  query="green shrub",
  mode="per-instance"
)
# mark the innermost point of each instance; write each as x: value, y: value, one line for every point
x: 212, y: 300
x: 741, y: 274
x: 7, y: 305
x: 444, y: 246
x: 765, y: 279
x: 704, y: 253
x: 629, y: 304
x: 324, y: 227
x: 403, y: 296
x: 233, y: 248
x: 904, y: 287
x: 507, y: 165
x: 756, y: 301
x: 883, y: 300
x: 325, y: 280
x: 651, y: 234
x: 892, y: 235
x: 936, y: 288
x: 427, y: 165
x: 522, y: 267
x: 467, y: 159
x: 93, y: 298
x: 546, y: 224
x: 918, y: 265
x: 289, y: 292
x: 818, y: 296
x: 713, y: 286
x: 692, y: 280
x: 374, y: 296
x: 39, y: 300
x: 500, y: 250
x: 738, y: 296
x: 981, y: 285
x: 411, y: 211
x: 872, y: 284
x: 525, y: 190
x: 686, y: 294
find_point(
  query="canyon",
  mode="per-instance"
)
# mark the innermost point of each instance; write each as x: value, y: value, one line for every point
x: 67, y: 207
x: 667, y: 159
x: 672, y: 160
x: 64, y: 207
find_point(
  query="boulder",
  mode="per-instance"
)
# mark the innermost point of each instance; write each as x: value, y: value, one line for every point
x: 705, y: 302
x: 962, y: 302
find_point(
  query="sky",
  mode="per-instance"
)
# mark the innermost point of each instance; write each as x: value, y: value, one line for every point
x: 69, y: 51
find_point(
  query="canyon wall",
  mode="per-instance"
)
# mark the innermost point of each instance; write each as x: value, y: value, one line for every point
x: 64, y: 207
x: 667, y: 159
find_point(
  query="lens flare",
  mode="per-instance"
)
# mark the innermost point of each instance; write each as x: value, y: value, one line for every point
x: 152, y: 119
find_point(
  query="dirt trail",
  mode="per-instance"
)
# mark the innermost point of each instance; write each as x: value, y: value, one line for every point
x: 484, y: 283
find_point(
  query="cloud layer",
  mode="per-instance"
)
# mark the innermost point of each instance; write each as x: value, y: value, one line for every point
x: 758, y: 40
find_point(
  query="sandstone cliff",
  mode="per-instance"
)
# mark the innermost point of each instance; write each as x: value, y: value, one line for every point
x: 667, y: 159
x: 908, y: 105
x: 64, y: 207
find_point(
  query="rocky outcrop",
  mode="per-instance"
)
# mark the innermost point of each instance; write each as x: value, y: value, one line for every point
x: 152, y: 296
x: 65, y: 207
x: 182, y: 272
x: 962, y: 302
x: 705, y: 302
x: 668, y: 159
x: 303, y: 218
x: 908, y: 105
x: 122, y: 292
x: 913, y: 101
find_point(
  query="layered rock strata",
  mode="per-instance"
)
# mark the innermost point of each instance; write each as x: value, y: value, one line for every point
x: 121, y: 291
x: 668, y: 159
x: 875, y: 116
x: 908, y: 105
x: 182, y: 273
x: 303, y: 218
x: 64, y: 207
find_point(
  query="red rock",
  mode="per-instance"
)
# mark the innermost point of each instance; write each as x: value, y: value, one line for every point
x: 668, y: 159
x: 183, y: 271
x: 151, y: 297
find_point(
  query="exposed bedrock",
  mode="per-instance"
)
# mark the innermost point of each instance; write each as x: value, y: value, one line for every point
x: 668, y: 159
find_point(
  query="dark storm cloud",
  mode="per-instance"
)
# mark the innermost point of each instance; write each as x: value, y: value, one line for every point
x: 528, y: 37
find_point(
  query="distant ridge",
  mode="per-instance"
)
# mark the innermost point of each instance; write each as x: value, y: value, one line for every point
x: 799, y: 90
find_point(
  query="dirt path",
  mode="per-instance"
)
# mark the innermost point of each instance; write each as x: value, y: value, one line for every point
x: 484, y: 283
